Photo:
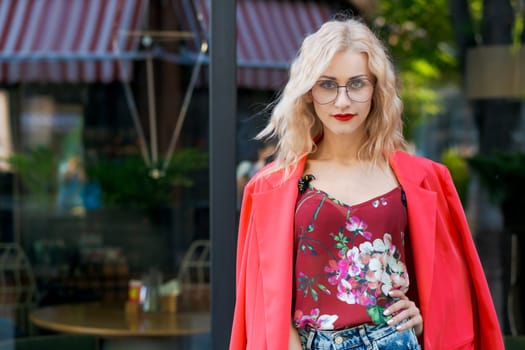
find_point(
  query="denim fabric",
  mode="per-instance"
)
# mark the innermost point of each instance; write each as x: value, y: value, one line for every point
x: 364, y: 337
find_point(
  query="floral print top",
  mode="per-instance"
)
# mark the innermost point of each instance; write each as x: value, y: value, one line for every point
x: 347, y: 259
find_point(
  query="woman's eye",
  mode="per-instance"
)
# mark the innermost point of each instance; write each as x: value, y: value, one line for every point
x: 328, y: 84
x: 356, y: 84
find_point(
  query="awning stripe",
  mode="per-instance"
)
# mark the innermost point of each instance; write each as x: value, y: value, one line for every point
x: 67, y: 41
x: 269, y: 33
x: 279, y: 25
x: 16, y: 24
x: 31, y: 27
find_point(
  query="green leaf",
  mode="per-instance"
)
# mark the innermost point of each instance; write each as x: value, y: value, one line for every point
x: 314, y: 294
x: 302, y: 278
x: 376, y: 314
x: 312, y: 249
x: 323, y: 288
x: 318, y: 208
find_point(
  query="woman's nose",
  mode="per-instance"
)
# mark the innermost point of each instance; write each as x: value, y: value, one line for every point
x: 342, y: 99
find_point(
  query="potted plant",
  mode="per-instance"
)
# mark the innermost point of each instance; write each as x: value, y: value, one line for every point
x: 127, y: 182
x: 37, y: 170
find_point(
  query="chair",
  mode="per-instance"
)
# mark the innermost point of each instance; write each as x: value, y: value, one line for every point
x: 194, y: 276
x: 18, y: 292
x: 195, y: 264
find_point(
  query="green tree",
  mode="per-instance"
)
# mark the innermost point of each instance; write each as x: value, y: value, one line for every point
x: 420, y: 38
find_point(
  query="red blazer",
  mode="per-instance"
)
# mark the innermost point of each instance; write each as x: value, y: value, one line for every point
x: 452, y: 291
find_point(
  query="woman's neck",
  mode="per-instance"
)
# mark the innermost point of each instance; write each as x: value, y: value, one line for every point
x: 339, y: 148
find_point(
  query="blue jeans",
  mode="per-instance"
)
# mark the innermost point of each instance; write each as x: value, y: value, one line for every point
x: 364, y: 337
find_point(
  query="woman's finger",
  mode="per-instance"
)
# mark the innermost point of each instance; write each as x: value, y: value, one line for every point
x: 396, y: 293
x: 404, y: 310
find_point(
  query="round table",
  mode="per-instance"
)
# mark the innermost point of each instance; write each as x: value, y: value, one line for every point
x: 111, y: 320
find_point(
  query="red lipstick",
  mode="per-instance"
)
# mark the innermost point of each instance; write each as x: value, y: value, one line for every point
x: 344, y: 117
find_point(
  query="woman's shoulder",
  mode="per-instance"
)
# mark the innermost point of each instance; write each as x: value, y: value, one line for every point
x: 272, y: 176
x: 266, y: 176
x: 410, y: 163
x: 410, y: 159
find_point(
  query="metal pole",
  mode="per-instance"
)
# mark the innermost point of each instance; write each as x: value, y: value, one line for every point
x: 152, y: 108
x: 223, y: 218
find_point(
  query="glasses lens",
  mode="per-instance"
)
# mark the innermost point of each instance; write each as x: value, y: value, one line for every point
x: 324, y: 91
x: 359, y: 90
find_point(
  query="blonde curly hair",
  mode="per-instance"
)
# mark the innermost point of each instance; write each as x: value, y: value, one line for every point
x: 293, y: 121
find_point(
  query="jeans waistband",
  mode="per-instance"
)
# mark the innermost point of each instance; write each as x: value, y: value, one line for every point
x: 372, y: 330
x: 363, y: 334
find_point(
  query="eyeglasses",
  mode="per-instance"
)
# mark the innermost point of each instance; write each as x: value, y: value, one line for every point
x: 357, y: 90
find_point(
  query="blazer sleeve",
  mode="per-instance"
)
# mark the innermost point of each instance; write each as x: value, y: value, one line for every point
x: 488, y: 333
x: 238, y: 334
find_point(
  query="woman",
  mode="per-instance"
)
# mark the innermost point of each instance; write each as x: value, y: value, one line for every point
x: 346, y: 241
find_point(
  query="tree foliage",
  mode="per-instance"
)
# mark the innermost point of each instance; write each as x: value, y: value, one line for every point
x: 419, y: 36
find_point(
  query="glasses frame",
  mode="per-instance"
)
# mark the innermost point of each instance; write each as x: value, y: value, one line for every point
x: 338, y: 87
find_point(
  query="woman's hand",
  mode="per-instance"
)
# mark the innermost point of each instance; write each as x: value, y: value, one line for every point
x: 404, y: 309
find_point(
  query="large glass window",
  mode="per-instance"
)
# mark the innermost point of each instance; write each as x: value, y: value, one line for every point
x: 83, y: 204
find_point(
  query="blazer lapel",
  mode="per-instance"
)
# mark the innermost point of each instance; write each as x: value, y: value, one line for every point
x: 422, y: 212
x: 274, y: 210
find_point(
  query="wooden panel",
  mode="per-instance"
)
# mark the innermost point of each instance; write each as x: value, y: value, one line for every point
x: 495, y: 72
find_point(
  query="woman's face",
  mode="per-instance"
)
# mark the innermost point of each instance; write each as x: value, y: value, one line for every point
x: 342, y: 95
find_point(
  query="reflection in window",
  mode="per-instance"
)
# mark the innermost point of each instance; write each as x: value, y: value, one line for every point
x: 6, y: 146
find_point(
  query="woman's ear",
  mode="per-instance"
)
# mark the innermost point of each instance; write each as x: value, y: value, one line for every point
x: 308, y: 97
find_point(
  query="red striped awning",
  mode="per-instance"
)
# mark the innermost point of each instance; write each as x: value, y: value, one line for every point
x: 68, y: 40
x: 269, y: 34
